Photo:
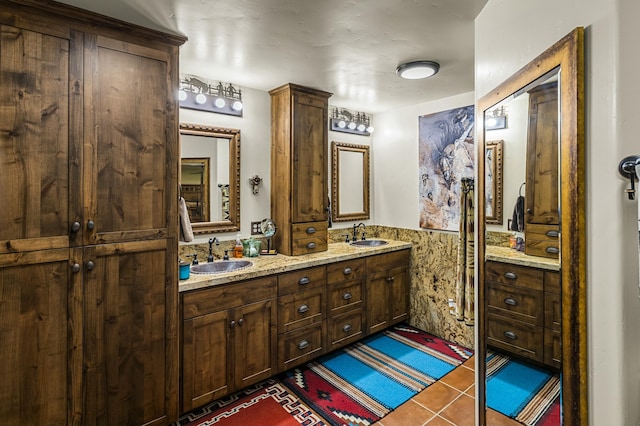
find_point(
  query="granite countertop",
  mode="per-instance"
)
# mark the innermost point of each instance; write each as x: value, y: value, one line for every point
x: 509, y: 255
x: 275, y: 264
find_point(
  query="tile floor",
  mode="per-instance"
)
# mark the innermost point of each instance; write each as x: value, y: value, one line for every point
x: 449, y: 401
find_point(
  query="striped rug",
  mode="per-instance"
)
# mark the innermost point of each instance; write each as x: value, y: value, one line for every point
x: 363, y: 382
x: 533, y: 392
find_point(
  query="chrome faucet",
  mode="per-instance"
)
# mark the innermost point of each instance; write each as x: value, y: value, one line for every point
x: 355, y: 231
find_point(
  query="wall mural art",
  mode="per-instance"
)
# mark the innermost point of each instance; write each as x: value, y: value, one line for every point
x: 446, y: 155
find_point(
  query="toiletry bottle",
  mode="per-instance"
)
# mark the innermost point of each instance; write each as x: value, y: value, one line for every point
x: 237, y: 250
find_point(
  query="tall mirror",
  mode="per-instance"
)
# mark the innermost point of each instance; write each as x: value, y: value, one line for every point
x: 210, y: 177
x: 350, y: 182
x: 531, y: 268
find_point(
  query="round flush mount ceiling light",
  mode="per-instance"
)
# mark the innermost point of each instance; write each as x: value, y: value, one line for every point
x: 417, y: 69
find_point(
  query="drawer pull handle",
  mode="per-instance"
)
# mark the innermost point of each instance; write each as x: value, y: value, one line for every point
x: 303, y: 308
x: 510, y: 275
x: 311, y: 230
x: 509, y: 301
x: 311, y: 245
x: 346, y: 296
x: 347, y: 328
x: 304, y: 281
x: 552, y: 250
x: 391, y: 279
x: 347, y: 271
x: 553, y: 234
x: 510, y: 335
x: 304, y: 344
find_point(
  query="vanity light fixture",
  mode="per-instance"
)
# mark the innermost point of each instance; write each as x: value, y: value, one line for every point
x: 357, y: 123
x: 415, y: 70
x: 198, y: 93
x: 496, y: 119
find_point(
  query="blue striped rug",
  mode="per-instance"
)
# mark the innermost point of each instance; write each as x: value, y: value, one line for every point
x: 363, y: 382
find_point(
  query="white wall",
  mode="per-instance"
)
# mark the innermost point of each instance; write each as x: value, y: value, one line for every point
x: 523, y: 30
x: 395, y: 198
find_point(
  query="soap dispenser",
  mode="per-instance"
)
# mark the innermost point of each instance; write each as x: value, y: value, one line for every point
x: 237, y: 250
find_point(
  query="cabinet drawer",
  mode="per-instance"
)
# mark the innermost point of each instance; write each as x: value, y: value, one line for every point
x: 344, y: 329
x: 522, y: 304
x: 214, y: 299
x: 521, y: 276
x: 300, y: 346
x: 552, y: 348
x: 301, y: 309
x: 347, y: 270
x: 304, y: 279
x: 515, y: 337
x: 309, y: 237
x: 552, y: 311
x: 345, y: 296
x: 384, y: 262
x: 542, y: 240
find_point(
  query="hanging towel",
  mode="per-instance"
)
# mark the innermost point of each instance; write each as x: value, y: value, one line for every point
x: 517, y: 222
x: 186, y: 232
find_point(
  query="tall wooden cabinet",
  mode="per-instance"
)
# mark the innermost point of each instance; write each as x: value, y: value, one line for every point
x: 542, y: 216
x: 88, y: 172
x: 299, y: 168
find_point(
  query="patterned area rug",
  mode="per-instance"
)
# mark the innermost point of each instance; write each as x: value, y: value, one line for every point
x: 363, y: 382
x: 265, y: 404
x: 533, y: 392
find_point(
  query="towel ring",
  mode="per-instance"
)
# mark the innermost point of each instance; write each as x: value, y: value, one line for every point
x: 520, y: 190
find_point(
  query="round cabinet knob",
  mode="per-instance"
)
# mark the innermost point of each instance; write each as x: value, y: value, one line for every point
x: 240, y: 322
x: 75, y: 226
x: 90, y: 265
x: 232, y: 324
x: 391, y: 279
x: 90, y: 225
x: 75, y: 268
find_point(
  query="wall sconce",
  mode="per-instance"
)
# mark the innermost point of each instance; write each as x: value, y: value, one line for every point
x: 197, y: 93
x: 496, y: 119
x: 357, y: 123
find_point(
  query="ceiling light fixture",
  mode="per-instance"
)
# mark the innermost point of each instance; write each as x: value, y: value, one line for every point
x: 417, y: 69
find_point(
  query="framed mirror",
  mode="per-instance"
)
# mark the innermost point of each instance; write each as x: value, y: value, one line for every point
x: 493, y: 189
x: 210, y: 177
x: 350, y: 182
x: 550, y: 135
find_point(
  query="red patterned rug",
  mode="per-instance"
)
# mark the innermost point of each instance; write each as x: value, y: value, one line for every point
x: 265, y: 404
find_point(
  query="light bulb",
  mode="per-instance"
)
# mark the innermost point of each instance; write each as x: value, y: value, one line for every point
x: 352, y: 125
x: 342, y: 124
x: 201, y: 98
x: 491, y: 122
x: 182, y: 95
x: 370, y: 129
x: 361, y: 128
x: 220, y: 103
x: 237, y: 106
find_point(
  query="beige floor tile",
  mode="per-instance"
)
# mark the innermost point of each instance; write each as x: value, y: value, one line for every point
x: 460, y: 378
x: 461, y: 412
x: 436, y: 396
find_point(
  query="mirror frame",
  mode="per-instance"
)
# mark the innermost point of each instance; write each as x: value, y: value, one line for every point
x: 567, y: 55
x: 496, y: 165
x: 233, y: 135
x: 336, y: 149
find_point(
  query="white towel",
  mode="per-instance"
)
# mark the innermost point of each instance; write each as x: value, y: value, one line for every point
x: 186, y: 232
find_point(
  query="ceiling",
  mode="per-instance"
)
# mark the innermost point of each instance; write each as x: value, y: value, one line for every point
x: 348, y: 47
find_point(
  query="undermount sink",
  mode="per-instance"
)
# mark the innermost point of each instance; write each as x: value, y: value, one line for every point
x: 369, y: 243
x: 220, y: 267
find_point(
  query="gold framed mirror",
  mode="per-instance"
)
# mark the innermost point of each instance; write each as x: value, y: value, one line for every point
x: 350, y: 182
x: 562, y: 63
x: 493, y: 190
x: 210, y: 177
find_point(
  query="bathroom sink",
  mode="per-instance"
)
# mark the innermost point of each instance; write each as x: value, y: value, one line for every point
x: 368, y: 243
x: 220, y: 267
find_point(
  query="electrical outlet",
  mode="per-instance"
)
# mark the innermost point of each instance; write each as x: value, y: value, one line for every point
x: 255, y: 228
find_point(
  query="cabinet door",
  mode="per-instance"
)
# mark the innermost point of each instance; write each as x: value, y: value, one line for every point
x: 378, y: 301
x: 387, y: 290
x: 309, y: 183
x: 399, y: 294
x: 35, y: 312
x: 205, y: 359
x: 130, y: 164
x: 38, y: 182
x: 130, y: 339
x: 255, y: 342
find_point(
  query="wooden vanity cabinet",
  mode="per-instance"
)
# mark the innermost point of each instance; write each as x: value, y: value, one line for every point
x: 387, y: 290
x: 89, y: 179
x: 299, y: 168
x: 346, y: 292
x: 228, y: 339
x: 542, y: 221
x: 522, y: 304
x: 302, y: 311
